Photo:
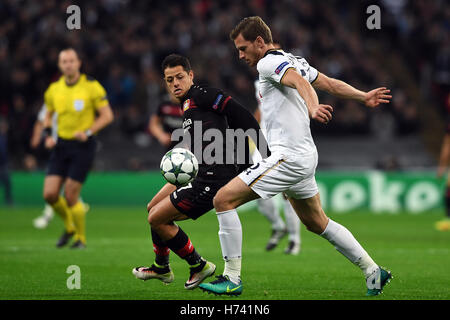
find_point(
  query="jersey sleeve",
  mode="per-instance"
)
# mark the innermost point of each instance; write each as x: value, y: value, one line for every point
x: 274, y: 67
x: 48, y: 99
x: 41, y: 114
x: 209, y: 98
x: 99, y: 96
x: 307, y: 71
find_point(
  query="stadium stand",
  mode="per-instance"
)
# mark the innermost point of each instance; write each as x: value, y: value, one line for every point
x: 123, y: 43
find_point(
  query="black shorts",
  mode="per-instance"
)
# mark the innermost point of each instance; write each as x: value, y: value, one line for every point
x: 196, y: 198
x: 73, y: 159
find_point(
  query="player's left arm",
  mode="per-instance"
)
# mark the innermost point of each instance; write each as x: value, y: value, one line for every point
x: 104, y: 113
x: 257, y: 115
x: 342, y: 89
x: 104, y: 118
x: 238, y: 116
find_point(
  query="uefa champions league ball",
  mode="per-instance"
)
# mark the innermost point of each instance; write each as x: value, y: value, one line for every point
x: 179, y: 166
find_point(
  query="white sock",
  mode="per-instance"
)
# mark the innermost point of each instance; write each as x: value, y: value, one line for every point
x: 269, y: 209
x: 230, y: 235
x: 292, y: 222
x: 48, y: 212
x: 345, y: 243
x: 233, y: 269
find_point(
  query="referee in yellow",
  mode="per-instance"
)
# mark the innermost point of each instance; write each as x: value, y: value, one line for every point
x: 83, y: 110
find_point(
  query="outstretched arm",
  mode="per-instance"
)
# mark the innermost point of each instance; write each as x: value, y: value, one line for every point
x: 238, y: 117
x: 341, y: 89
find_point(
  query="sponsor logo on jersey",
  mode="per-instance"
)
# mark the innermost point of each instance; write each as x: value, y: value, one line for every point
x: 187, y: 123
x: 186, y: 104
x: 216, y: 103
x: 281, y: 67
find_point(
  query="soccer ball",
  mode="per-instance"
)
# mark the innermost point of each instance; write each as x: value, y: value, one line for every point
x: 179, y: 166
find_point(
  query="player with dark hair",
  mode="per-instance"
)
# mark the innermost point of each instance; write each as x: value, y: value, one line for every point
x: 82, y: 107
x: 288, y: 101
x: 212, y: 109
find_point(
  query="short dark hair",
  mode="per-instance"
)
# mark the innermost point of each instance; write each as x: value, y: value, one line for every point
x: 173, y: 60
x: 251, y: 28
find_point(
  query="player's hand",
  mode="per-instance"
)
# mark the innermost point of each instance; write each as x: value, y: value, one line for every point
x: 50, y: 142
x: 35, y: 141
x: 81, y: 136
x: 165, y: 140
x: 322, y: 113
x: 376, y: 96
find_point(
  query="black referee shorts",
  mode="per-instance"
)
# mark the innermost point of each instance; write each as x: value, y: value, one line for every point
x: 196, y: 198
x: 72, y: 158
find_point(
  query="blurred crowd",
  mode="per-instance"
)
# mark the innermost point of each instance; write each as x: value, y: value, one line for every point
x: 122, y: 43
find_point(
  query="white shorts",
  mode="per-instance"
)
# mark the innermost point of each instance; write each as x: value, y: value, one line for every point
x: 276, y: 174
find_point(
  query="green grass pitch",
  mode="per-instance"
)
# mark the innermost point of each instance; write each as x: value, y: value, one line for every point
x: 118, y: 239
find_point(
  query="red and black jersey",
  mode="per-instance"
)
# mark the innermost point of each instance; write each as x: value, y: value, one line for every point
x: 208, y: 112
x: 171, y: 116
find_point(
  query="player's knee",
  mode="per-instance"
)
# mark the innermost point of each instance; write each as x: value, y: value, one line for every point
x: 152, y: 221
x: 149, y: 218
x: 149, y: 206
x: 50, y: 196
x: 316, y: 224
x: 71, y: 198
x: 221, y: 202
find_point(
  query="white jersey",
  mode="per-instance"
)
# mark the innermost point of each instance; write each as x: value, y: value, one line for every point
x: 286, y: 117
x: 41, y: 118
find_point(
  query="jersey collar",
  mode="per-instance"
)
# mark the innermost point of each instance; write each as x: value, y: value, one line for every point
x: 269, y: 51
x: 72, y: 84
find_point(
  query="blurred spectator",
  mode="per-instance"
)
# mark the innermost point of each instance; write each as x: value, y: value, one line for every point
x: 125, y: 41
x: 120, y: 86
x: 5, y: 180
x: 388, y: 163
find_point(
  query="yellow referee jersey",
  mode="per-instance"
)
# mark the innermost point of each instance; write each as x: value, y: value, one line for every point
x: 75, y: 104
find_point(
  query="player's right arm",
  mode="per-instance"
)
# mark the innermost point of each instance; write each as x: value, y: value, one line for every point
x: 319, y: 112
x: 342, y: 89
x: 156, y: 129
x: 49, y: 141
x: 238, y: 116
